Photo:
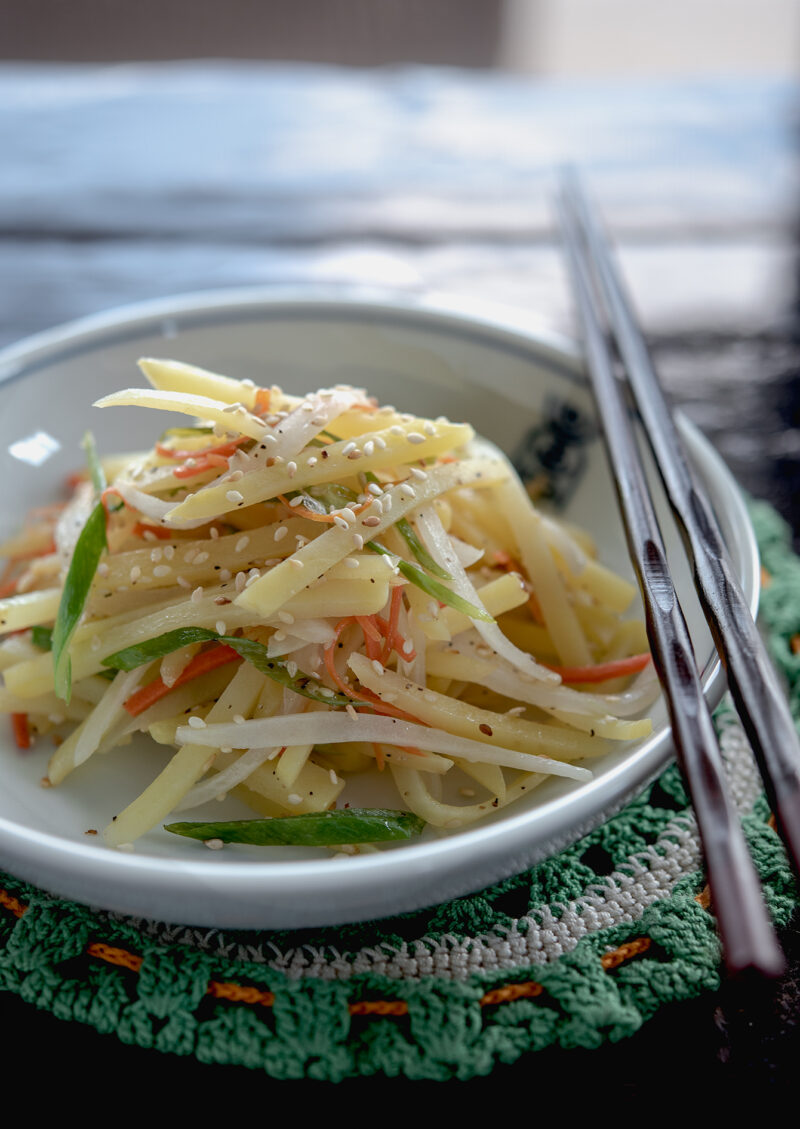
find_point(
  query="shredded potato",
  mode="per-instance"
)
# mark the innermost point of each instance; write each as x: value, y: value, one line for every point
x: 290, y: 591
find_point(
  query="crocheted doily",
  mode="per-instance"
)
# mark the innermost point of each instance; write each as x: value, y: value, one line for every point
x: 581, y: 949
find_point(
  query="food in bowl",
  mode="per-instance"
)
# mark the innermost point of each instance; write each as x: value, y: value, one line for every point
x: 291, y: 591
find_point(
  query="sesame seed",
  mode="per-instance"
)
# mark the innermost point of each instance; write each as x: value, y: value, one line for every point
x: 380, y: 442
x: 224, y: 574
x: 415, y: 437
x: 429, y: 429
x: 339, y: 520
x: 238, y: 719
x: 396, y: 429
x: 162, y: 570
x: 351, y: 562
x: 369, y: 447
x: 348, y: 447
x: 418, y: 473
x: 197, y: 595
x: 189, y: 555
x: 377, y: 667
x: 355, y: 454
x: 294, y: 799
x: 214, y: 844
x: 196, y: 722
x: 213, y: 532
x: 295, y: 563
x: 406, y: 490
x: 169, y: 552
x: 234, y: 496
x: 134, y: 574
x: 183, y: 582
x: 374, y: 488
x: 201, y: 558
x: 221, y: 627
x: 240, y: 581
x: 286, y: 617
x: 334, y: 779
x: 102, y: 569
x: 291, y: 668
x: 156, y: 555
x: 351, y: 710
x: 280, y: 533
x: 358, y: 541
x: 296, y: 501
x: 291, y: 468
x: 312, y: 460
x: 241, y: 544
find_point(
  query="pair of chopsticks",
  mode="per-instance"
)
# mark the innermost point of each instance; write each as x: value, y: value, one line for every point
x: 748, y: 940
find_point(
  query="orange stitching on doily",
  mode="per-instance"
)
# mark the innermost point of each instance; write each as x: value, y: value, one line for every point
x: 239, y: 993
x: 625, y: 952
x: 112, y: 955
x: 12, y: 903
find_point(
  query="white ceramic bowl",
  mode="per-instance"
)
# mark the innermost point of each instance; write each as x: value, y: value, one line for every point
x: 421, y: 356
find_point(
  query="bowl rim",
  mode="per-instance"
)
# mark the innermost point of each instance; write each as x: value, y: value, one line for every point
x: 134, y: 883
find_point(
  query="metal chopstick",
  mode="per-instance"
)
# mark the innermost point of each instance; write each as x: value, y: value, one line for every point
x: 753, y: 682
x: 748, y: 940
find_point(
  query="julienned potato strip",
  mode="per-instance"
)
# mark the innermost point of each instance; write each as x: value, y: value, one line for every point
x: 394, y: 562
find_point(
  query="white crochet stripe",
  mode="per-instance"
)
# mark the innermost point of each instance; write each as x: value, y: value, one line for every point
x: 538, y: 938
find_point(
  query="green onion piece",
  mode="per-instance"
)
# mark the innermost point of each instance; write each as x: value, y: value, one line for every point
x: 405, y: 529
x: 95, y: 469
x: 184, y: 432
x: 333, y: 495
x: 418, y: 549
x: 85, y: 558
x: 415, y: 575
x: 255, y: 653
x: 42, y: 637
x: 311, y: 829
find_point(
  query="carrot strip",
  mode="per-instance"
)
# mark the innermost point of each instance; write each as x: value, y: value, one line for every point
x: 226, y: 448
x: 601, y: 672
x: 262, y: 402
x: 22, y: 732
x: 158, y: 531
x: 200, y: 664
x: 375, y: 703
x: 199, y: 466
x: 295, y: 511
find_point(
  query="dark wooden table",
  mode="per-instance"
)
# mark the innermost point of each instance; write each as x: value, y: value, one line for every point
x: 131, y: 182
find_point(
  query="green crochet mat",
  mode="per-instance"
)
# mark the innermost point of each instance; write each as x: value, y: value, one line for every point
x: 582, y: 949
